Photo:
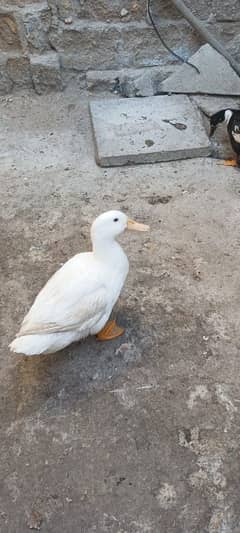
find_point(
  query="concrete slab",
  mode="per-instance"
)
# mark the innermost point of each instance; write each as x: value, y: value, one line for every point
x: 216, y: 76
x: 160, y: 128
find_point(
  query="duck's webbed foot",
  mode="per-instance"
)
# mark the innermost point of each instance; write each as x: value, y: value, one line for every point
x: 110, y: 331
x: 230, y: 163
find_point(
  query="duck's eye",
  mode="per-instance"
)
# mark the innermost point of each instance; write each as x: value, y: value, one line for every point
x: 115, y: 220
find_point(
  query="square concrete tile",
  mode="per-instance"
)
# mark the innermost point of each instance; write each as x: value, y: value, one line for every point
x: 147, y: 130
x: 216, y: 76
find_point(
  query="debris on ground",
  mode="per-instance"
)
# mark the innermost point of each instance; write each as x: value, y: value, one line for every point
x: 34, y: 520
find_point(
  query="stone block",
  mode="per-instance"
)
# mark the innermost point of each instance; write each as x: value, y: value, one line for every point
x: 225, y: 31
x: 129, y: 82
x: 161, y: 128
x: 74, y: 79
x: 220, y: 10
x: 6, y: 84
x: 88, y: 46
x: 46, y: 73
x: 65, y: 8
x: 108, y: 10
x: 84, y: 43
x: 145, y: 81
x: 37, y: 21
x: 9, y: 37
x: 18, y: 70
x: 234, y: 47
x: 141, y: 46
x: 9, y: 4
x: 217, y: 10
x: 103, y: 80
x: 216, y: 76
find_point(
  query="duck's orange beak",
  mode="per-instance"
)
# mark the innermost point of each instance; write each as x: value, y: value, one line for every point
x: 136, y: 226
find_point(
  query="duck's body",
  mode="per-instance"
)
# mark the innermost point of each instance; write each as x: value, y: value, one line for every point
x: 78, y: 299
x: 232, y: 118
x: 76, y: 302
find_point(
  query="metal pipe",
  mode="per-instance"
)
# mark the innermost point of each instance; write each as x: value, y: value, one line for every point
x: 205, y: 34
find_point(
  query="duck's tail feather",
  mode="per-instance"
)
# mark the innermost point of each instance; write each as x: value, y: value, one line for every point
x: 30, y: 344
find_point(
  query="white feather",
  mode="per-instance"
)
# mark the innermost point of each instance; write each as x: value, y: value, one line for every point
x: 236, y: 136
x: 228, y: 115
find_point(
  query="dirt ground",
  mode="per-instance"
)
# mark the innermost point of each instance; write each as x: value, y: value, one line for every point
x: 138, y: 435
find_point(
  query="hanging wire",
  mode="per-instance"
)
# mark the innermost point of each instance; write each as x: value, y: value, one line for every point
x: 163, y: 41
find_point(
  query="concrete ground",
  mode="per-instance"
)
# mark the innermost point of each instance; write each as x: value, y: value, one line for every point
x: 138, y: 435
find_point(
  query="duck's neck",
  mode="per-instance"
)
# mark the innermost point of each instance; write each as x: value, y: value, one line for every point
x: 107, y: 250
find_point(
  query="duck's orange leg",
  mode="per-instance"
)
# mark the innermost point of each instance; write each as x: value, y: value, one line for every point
x: 229, y: 163
x: 110, y: 331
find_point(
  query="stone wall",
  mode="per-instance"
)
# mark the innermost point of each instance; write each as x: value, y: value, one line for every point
x: 44, y: 44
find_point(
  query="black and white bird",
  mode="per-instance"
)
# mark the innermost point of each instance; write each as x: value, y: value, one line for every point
x: 231, y: 117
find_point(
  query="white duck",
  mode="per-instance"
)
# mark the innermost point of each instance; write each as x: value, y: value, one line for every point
x: 78, y: 299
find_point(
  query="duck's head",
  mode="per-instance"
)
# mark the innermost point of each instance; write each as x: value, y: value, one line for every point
x: 221, y: 116
x: 112, y: 223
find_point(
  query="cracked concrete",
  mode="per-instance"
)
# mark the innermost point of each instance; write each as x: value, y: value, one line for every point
x: 140, y: 434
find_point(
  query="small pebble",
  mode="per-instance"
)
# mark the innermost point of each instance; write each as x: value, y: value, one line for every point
x: 124, y: 12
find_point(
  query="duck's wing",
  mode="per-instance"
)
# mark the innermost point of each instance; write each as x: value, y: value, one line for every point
x: 74, y: 298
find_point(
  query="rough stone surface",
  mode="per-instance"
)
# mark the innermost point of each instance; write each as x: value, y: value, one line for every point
x: 18, y: 69
x: 6, y: 83
x: 144, y: 82
x: 9, y: 38
x: 95, y: 35
x: 218, y: 10
x: 227, y: 33
x: 67, y: 8
x: 37, y: 25
x: 81, y: 44
x: 102, y: 9
x: 221, y: 10
x: 142, y: 434
x: 216, y: 76
x: 139, y: 131
x: 46, y: 73
x: 234, y: 47
x: 105, y: 80
x: 128, y: 82
x: 9, y: 4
